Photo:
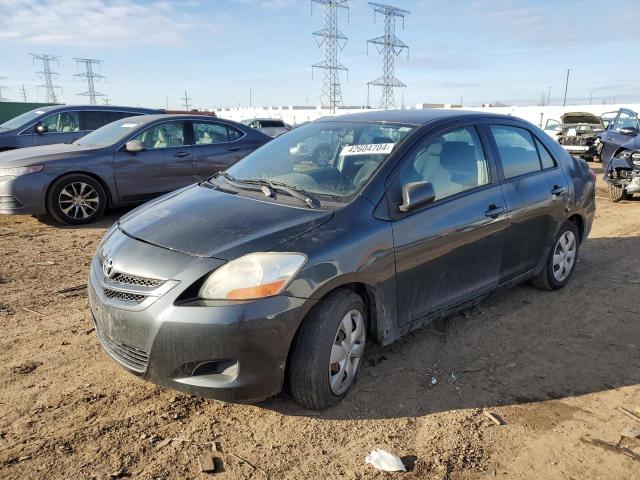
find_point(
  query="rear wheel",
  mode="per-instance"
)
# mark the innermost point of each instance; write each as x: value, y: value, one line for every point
x: 562, y: 259
x: 616, y: 192
x: 328, y: 350
x: 76, y: 199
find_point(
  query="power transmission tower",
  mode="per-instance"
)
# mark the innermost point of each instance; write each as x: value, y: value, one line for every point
x: 389, y: 46
x: 24, y: 93
x: 48, y: 75
x: 3, y: 87
x: 186, y: 103
x: 90, y: 76
x: 106, y: 101
x: 332, y: 40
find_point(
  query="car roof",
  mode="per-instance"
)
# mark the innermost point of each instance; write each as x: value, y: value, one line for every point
x: 413, y: 117
x: 116, y: 108
x: 179, y: 116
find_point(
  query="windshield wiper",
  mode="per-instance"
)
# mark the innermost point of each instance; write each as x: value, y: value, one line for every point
x: 273, y: 187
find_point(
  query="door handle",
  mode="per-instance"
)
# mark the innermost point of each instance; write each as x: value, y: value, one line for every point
x: 494, y: 212
x: 233, y: 149
x: 558, y: 190
x: 181, y: 154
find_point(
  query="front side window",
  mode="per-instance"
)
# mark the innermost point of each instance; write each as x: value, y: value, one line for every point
x: 452, y: 162
x: 163, y: 135
x: 351, y: 153
x: 626, y: 120
x: 206, y: 133
x: 64, y: 122
x: 517, y: 150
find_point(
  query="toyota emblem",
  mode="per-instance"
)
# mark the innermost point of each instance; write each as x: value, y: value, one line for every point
x: 107, y: 267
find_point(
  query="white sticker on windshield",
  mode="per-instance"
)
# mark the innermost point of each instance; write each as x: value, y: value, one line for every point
x: 129, y: 125
x: 40, y: 112
x: 368, y: 149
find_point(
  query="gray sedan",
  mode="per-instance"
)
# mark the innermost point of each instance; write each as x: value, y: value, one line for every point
x: 125, y: 162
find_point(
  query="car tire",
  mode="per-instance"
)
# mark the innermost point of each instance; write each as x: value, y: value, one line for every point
x: 562, y: 259
x: 616, y: 192
x: 324, y: 362
x: 76, y: 199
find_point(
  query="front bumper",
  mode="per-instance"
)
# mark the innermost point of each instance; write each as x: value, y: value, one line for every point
x: 24, y: 195
x: 231, y: 351
x: 576, y: 148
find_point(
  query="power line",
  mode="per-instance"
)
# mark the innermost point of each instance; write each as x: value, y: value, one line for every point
x: 389, y: 46
x: 186, y: 103
x: 90, y: 76
x: 48, y: 75
x: 332, y: 40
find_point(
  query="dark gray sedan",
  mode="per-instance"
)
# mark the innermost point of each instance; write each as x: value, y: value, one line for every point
x: 126, y: 162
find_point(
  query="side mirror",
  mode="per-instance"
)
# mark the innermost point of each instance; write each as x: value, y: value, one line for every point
x: 631, y: 131
x: 415, y: 195
x: 134, y: 146
x: 40, y: 128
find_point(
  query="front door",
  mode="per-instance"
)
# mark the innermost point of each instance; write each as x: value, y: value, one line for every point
x: 613, y: 138
x: 63, y: 127
x: 451, y: 250
x: 536, y: 191
x: 165, y: 164
x: 216, y: 146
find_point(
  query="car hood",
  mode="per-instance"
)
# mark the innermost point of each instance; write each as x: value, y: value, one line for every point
x: 22, y: 157
x: 581, y: 118
x: 206, y: 222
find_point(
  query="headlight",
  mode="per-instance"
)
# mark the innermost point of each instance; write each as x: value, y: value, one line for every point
x: 19, y: 171
x: 256, y: 275
x: 625, y: 155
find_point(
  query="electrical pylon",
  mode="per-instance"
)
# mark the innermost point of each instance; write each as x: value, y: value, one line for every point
x: 90, y: 76
x: 48, y: 75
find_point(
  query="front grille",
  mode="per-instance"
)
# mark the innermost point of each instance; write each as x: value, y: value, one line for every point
x: 576, y: 141
x: 124, y: 296
x: 125, y: 279
x: 130, y: 357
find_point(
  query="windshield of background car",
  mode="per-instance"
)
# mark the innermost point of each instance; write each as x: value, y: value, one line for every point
x: 109, y: 134
x: 323, y: 158
x: 22, y: 120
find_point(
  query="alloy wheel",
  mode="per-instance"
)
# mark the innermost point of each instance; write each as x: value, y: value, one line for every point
x: 346, y: 352
x: 78, y: 200
x: 564, y: 255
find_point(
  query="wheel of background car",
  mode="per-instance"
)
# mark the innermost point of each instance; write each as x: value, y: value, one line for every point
x: 616, y: 192
x: 322, y: 154
x: 76, y: 199
x: 561, y: 260
x: 328, y: 351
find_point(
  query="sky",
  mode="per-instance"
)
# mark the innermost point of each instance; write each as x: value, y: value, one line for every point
x: 220, y: 50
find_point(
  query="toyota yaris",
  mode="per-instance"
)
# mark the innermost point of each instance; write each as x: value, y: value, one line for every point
x: 281, y: 271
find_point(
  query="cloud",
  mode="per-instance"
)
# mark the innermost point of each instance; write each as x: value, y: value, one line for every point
x: 271, y: 4
x: 98, y: 22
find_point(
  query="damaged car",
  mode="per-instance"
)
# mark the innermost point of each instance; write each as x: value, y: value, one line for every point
x: 622, y: 131
x: 577, y: 133
x: 622, y: 173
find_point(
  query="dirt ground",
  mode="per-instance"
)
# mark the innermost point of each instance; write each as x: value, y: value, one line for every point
x: 554, y: 366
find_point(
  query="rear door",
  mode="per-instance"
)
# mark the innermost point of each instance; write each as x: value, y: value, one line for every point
x: 62, y: 127
x: 450, y: 250
x: 216, y: 146
x: 613, y: 138
x: 164, y: 165
x: 536, y: 191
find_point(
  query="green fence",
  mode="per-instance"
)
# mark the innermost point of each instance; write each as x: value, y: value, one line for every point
x: 9, y: 110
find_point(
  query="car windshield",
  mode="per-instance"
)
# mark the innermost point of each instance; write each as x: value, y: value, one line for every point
x: 328, y: 158
x: 110, y: 133
x: 23, y: 119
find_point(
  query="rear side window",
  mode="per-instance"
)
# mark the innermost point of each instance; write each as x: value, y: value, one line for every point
x: 517, y: 150
x: 545, y: 157
x: 94, y: 119
x: 207, y: 133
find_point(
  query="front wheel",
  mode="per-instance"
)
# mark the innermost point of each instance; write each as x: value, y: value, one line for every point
x: 76, y: 199
x: 328, y: 351
x: 561, y: 260
x: 616, y: 192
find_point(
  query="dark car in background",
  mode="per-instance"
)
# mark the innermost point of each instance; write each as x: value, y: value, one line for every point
x: 280, y: 270
x: 625, y: 128
x: 622, y: 172
x: 125, y: 162
x: 61, y: 124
